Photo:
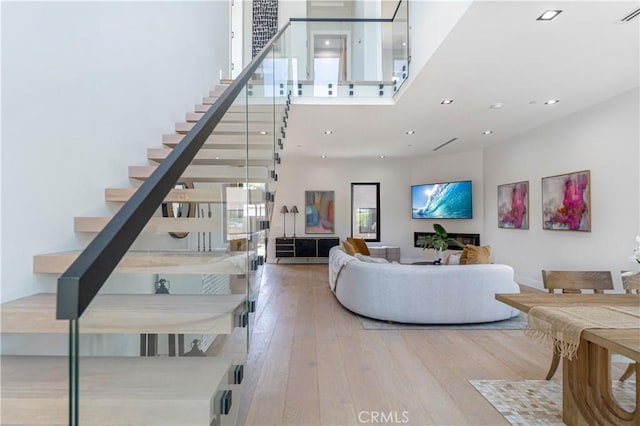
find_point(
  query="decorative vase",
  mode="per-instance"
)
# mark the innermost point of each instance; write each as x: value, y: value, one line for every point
x: 439, y: 255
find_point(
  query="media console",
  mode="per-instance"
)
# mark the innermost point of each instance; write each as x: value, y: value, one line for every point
x: 304, y: 247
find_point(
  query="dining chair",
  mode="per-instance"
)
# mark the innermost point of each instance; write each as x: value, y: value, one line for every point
x: 574, y: 282
x: 631, y: 285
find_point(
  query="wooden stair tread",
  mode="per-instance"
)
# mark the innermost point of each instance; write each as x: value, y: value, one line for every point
x: 145, y: 262
x: 233, y: 117
x: 198, y: 173
x: 197, y: 195
x: 209, y: 100
x: 227, y: 141
x: 240, y: 109
x: 174, y: 196
x: 156, y: 225
x: 163, y: 391
x: 224, y: 127
x: 235, y: 157
x: 127, y: 313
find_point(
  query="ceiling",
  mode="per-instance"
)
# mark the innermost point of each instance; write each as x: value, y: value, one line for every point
x: 497, y: 53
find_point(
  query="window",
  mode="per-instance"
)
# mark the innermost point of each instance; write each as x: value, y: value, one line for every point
x: 365, y: 211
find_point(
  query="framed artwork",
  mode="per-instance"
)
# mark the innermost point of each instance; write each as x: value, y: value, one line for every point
x: 319, y: 212
x: 513, y: 205
x: 365, y: 211
x: 566, y: 202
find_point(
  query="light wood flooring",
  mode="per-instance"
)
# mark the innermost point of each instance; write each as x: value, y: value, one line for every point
x: 312, y: 363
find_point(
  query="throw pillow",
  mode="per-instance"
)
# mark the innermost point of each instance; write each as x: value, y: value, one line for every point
x: 370, y: 259
x: 474, y: 255
x: 360, y: 245
x: 348, y: 248
x: 453, y: 259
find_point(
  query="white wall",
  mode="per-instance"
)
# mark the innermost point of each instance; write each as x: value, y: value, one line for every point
x: 604, y: 139
x: 447, y: 168
x: 429, y: 24
x: 87, y: 88
x: 288, y: 9
x: 395, y: 176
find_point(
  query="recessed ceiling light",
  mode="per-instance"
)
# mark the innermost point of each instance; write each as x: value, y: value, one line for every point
x: 446, y: 101
x: 404, y: 43
x: 328, y: 132
x: 410, y: 132
x: 382, y: 156
x: 548, y: 15
x: 327, y: 42
x: 551, y: 102
x: 496, y: 106
x: 263, y: 132
x: 487, y: 132
x: 323, y: 156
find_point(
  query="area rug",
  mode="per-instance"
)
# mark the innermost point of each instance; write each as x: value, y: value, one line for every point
x: 538, y: 402
x: 516, y: 323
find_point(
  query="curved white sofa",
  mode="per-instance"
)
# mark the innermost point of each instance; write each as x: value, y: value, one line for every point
x: 421, y: 294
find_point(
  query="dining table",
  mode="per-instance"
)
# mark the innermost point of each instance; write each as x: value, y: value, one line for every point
x: 587, y: 329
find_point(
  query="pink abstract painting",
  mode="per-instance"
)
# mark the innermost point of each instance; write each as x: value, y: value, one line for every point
x: 513, y: 205
x: 566, y: 202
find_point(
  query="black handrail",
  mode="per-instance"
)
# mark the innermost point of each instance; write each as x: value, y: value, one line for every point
x: 87, y: 274
x: 341, y: 19
x: 395, y: 12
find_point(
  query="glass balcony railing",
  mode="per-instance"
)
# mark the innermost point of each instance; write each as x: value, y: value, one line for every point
x: 342, y: 58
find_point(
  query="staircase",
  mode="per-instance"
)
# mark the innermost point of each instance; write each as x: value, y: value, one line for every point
x: 147, y: 386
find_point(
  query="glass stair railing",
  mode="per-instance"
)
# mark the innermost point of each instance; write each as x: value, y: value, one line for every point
x: 160, y: 334
x: 157, y: 310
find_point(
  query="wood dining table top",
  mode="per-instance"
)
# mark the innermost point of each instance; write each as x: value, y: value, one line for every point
x: 525, y: 301
x: 623, y: 341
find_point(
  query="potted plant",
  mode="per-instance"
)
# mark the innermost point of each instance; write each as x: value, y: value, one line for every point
x: 439, y: 241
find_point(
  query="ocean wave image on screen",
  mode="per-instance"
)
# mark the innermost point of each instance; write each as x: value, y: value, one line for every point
x: 441, y: 201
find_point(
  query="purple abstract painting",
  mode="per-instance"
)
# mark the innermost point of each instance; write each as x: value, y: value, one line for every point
x: 513, y: 205
x: 566, y: 202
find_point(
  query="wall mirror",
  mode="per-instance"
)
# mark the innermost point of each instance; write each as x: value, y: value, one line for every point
x: 365, y: 211
x: 179, y: 209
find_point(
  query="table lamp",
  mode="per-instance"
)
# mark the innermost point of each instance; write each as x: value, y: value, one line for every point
x: 295, y: 211
x: 284, y: 210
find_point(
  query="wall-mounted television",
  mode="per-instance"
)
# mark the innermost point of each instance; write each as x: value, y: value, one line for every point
x: 445, y: 200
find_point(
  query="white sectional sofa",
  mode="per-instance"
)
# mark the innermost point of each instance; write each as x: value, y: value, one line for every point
x: 421, y: 294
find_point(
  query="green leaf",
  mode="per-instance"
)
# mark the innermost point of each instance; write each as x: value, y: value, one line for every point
x: 454, y: 242
x: 440, y: 230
